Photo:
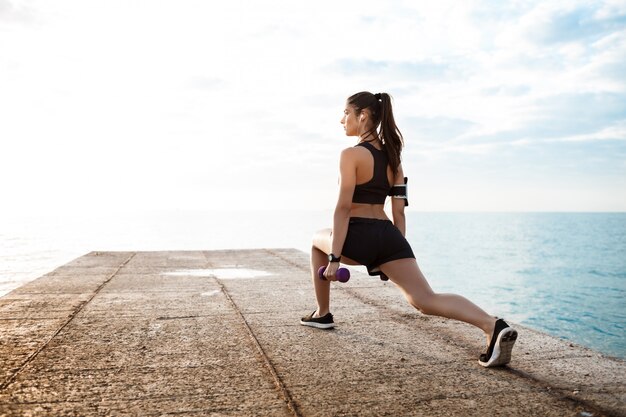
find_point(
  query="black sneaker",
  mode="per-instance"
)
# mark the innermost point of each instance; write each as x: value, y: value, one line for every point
x: 500, y: 347
x: 325, y: 322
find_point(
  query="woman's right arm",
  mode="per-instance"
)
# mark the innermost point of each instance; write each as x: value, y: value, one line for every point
x: 397, y: 204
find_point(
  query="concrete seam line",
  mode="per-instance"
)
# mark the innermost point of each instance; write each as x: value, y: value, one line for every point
x: 77, y: 310
x: 266, y: 360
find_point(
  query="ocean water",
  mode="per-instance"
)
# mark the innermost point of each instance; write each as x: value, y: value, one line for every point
x: 561, y: 273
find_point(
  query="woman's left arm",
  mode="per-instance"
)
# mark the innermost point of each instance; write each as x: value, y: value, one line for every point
x: 397, y: 204
x: 347, y: 182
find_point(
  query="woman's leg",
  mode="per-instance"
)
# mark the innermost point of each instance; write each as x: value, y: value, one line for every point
x: 319, y: 257
x: 406, y: 274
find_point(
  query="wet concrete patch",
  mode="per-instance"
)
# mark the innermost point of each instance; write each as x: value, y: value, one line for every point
x: 220, y: 273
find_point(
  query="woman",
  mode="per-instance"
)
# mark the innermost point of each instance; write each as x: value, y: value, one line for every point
x: 363, y: 235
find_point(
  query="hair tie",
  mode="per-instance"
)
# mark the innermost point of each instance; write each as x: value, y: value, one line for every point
x: 377, y: 96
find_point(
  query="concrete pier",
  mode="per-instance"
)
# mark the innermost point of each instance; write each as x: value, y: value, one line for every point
x: 217, y: 333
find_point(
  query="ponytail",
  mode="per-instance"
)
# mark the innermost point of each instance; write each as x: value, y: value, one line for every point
x: 385, y: 127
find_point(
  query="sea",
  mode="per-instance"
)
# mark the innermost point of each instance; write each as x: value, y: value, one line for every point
x: 560, y: 273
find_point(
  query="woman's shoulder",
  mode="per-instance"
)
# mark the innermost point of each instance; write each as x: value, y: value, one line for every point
x: 359, y: 149
x: 352, y: 157
x: 354, y: 152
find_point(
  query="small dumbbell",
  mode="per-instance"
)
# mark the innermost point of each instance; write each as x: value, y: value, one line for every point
x: 342, y: 274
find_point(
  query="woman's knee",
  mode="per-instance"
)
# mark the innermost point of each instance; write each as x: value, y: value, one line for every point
x: 321, y: 239
x: 425, y: 303
x: 317, y: 253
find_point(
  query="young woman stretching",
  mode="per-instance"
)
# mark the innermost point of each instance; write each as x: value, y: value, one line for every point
x: 363, y: 235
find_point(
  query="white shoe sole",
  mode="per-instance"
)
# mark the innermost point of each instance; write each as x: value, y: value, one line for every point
x: 501, y: 354
x: 317, y: 325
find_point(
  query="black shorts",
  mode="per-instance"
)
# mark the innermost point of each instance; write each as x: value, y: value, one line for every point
x: 373, y: 242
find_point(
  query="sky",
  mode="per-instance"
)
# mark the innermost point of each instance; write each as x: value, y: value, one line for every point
x: 194, y: 105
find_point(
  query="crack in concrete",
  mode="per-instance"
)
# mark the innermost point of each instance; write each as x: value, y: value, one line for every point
x: 280, y: 385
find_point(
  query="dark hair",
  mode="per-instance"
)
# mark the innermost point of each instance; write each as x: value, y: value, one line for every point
x: 382, y: 115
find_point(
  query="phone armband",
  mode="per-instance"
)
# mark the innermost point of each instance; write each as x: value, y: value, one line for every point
x: 401, y: 191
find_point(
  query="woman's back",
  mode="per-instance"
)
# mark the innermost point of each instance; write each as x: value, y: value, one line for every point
x: 376, y: 176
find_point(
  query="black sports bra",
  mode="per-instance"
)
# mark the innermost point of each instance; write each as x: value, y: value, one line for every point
x: 377, y: 189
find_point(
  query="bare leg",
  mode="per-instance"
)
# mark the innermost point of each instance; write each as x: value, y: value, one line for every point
x: 319, y: 252
x: 406, y: 274
x: 319, y: 257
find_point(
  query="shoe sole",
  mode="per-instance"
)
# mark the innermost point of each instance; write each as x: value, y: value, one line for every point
x: 502, y: 350
x: 317, y: 325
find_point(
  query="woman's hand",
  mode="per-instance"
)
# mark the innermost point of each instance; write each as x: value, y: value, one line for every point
x: 331, y: 271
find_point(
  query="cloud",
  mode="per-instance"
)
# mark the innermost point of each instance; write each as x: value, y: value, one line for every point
x: 613, y: 132
x: 15, y: 13
x: 410, y: 70
x: 204, y: 83
x: 11, y: 12
x: 507, y: 90
x: 580, y: 23
x: 439, y: 128
x: 565, y: 119
x: 609, y: 8
x: 609, y: 58
x: 570, y: 114
x: 559, y: 122
x: 478, y: 83
x: 549, y: 36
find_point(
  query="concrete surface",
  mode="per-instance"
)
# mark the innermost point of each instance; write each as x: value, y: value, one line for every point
x: 216, y: 333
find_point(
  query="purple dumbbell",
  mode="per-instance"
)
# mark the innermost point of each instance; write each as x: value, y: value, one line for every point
x: 342, y: 274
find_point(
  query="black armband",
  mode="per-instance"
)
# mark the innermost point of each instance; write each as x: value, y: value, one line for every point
x: 401, y: 191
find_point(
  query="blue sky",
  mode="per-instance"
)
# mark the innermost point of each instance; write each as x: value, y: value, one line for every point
x: 116, y: 105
